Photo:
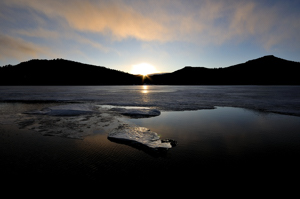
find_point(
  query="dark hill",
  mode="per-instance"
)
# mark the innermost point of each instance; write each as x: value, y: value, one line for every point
x: 268, y: 70
x: 63, y: 72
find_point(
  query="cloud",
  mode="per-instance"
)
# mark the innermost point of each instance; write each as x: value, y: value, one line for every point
x: 107, y: 17
x: 219, y: 22
x: 60, y: 35
x: 39, y: 32
x: 11, y: 47
x: 203, y: 22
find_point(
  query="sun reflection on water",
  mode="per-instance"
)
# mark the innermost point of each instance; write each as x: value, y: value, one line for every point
x: 145, y: 89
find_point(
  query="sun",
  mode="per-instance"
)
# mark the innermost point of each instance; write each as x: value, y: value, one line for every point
x: 143, y: 69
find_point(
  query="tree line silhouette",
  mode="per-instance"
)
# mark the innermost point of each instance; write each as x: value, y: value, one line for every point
x: 63, y: 72
x: 267, y: 70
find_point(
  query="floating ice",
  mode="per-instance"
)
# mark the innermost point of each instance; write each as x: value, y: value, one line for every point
x: 137, y: 112
x: 65, y: 110
x: 139, y: 135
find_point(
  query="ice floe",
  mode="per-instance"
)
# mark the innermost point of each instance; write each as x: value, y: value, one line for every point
x: 80, y: 120
x: 65, y: 110
x: 137, y: 112
x: 140, y: 135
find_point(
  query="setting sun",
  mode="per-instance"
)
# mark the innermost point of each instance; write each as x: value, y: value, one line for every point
x: 143, y: 69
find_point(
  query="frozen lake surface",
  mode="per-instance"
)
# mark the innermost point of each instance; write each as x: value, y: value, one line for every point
x: 246, y: 130
x: 278, y: 99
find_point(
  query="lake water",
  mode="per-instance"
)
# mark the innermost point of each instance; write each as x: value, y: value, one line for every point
x: 222, y: 132
x: 226, y: 134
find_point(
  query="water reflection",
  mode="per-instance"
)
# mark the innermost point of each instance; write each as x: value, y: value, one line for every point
x: 228, y: 133
x: 145, y: 89
x: 150, y: 151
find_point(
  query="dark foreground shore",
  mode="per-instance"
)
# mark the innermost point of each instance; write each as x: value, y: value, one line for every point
x: 27, y: 155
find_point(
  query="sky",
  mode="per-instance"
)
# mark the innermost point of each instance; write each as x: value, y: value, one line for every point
x: 166, y: 34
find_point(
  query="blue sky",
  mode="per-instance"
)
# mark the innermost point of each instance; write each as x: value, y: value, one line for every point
x: 168, y: 34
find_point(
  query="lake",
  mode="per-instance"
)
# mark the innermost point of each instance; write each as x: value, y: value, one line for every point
x: 278, y: 99
x: 239, y: 132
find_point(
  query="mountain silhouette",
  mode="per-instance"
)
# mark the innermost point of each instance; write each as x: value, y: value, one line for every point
x: 63, y: 72
x: 267, y: 70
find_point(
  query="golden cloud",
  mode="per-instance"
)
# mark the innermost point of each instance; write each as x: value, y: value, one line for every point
x: 61, y: 34
x: 18, y: 48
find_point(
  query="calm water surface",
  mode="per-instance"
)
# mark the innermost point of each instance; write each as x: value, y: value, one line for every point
x: 227, y: 132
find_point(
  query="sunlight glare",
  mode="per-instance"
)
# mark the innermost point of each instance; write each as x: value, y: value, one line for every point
x: 143, y: 69
x: 145, y: 89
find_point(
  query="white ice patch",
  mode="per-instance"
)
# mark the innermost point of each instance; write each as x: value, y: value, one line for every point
x: 138, y: 134
x: 65, y: 110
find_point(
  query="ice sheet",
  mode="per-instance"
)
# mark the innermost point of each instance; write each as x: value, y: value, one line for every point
x: 83, y: 119
x: 137, y: 112
x: 278, y: 99
x: 75, y: 120
x: 65, y: 110
x: 141, y: 135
